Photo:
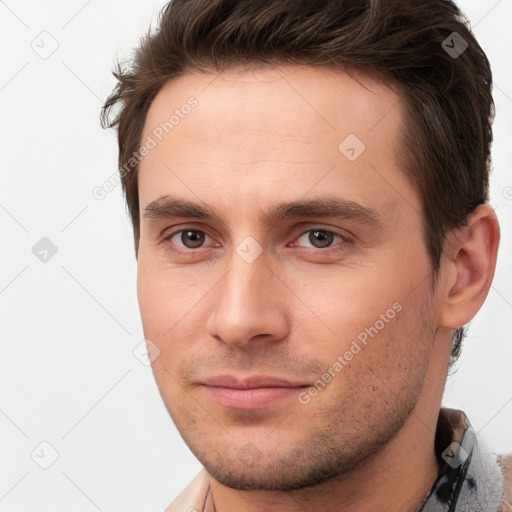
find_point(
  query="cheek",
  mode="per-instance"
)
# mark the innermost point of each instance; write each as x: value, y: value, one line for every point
x: 384, y: 373
x: 151, y: 296
x: 162, y: 293
x: 372, y: 326
x: 347, y: 307
x: 160, y: 310
x: 169, y: 308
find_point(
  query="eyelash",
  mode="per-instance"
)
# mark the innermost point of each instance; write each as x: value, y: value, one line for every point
x: 345, y: 240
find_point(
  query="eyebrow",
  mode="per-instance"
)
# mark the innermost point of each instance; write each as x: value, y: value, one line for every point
x: 332, y: 207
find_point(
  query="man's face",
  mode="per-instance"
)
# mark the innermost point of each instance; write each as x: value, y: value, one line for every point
x: 292, y: 347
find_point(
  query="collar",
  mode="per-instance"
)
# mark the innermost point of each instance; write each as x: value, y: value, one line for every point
x: 470, y: 480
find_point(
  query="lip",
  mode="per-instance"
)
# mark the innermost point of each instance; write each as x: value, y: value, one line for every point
x: 251, y: 382
x: 250, y: 393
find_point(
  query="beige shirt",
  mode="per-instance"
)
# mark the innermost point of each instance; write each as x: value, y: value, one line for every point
x: 195, y: 497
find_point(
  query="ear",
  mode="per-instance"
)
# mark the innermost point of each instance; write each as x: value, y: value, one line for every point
x: 470, y: 260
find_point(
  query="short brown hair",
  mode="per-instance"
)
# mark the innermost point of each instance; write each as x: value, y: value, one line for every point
x: 445, y: 143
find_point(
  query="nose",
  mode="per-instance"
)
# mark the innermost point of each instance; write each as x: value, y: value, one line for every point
x: 249, y: 304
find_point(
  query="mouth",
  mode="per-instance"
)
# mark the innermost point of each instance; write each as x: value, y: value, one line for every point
x: 250, y: 393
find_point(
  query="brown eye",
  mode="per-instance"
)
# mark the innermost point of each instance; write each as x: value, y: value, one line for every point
x: 187, y: 238
x: 324, y: 238
x: 193, y: 237
x: 320, y: 238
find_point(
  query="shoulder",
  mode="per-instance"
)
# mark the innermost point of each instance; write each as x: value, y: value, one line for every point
x: 506, y: 466
x: 192, y: 498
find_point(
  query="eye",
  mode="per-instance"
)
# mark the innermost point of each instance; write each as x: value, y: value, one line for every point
x: 189, y: 238
x: 320, y: 238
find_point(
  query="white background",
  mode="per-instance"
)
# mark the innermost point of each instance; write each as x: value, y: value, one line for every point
x: 68, y: 375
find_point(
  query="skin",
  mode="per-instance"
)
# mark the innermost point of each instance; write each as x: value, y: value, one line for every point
x: 263, y: 135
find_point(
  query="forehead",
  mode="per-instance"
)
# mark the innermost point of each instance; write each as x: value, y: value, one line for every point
x: 292, y: 127
x: 294, y: 100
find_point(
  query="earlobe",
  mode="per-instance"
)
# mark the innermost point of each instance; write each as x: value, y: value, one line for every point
x: 470, y: 262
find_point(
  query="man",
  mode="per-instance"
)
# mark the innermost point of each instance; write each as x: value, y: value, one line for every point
x: 308, y: 185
